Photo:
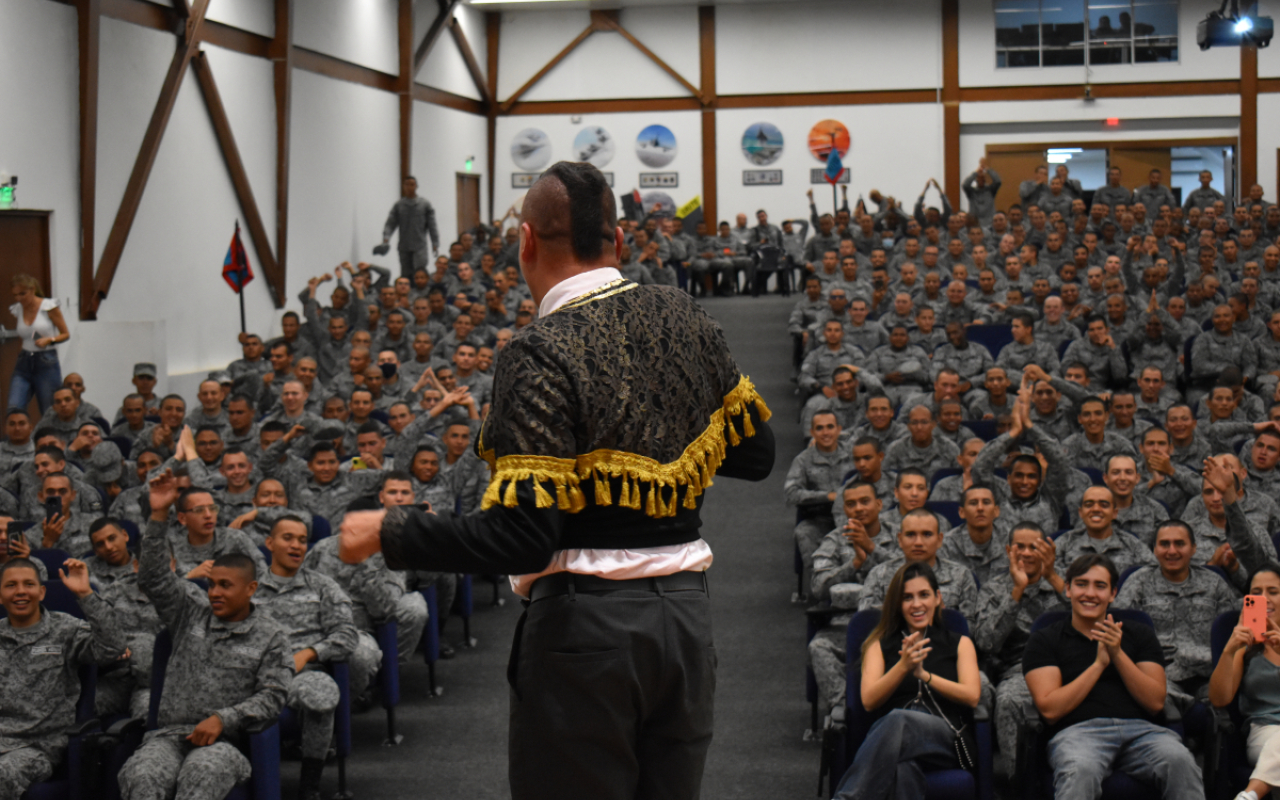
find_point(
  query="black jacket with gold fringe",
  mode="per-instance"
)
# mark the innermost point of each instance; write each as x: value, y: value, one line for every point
x: 609, y: 419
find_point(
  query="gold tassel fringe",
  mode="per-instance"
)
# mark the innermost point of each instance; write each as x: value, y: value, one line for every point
x: 694, y: 468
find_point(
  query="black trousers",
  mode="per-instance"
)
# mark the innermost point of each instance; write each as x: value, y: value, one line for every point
x: 612, y: 696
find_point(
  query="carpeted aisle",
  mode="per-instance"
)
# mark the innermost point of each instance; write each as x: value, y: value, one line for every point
x: 455, y: 745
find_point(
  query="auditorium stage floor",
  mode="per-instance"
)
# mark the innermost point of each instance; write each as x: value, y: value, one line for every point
x: 455, y: 745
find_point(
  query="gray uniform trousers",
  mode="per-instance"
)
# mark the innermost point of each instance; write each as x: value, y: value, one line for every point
x: 364, y: 662
x: 167, y: 760
x: 411, y: 620
x: 1012, y: 695
x: 314, y: 694
x: 20, y: 768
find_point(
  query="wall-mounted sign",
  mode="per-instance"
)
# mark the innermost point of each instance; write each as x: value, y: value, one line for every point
x: 531, y: 149
x: 825, y: 134
x: 594, y: 145
x: 762, y: 143
x: 762, y: 177
x: 818, y: 176
x: 659, y: 180
x: 656, y: 146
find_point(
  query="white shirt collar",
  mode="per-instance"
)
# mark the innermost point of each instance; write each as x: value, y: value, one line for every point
x: 578, y: 285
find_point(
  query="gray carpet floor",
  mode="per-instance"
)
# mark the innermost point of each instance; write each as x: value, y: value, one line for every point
x: 455, y: 744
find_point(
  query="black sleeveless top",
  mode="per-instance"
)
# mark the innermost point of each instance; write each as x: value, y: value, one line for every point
x: 942, y: 661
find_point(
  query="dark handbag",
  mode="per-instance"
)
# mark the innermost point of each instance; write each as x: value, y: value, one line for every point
x: 925, y: 703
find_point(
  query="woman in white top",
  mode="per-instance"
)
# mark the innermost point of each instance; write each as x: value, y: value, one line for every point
x: 40, y: 327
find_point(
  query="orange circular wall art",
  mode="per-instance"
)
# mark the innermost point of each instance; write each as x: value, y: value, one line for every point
x: 820, y: 139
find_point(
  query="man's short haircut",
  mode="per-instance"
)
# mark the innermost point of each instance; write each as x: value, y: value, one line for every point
x: 241, y: 398
x: 1026, y: 526
x: 20, y: 563
x: 591, y: 214
x: 290, y: 518
x: 239, y: 562
x: 869, y: 440
x: 986, y: 487
x: 278, y: 343
x: 1027, y: 459
x: 90, y: 424
x: 24, y: 413
x: 858, y: 484
x: 1087, y: 562
x: 1093, y: 398
x: 1092, y: 318
x: 209, y: 429
x: 56, y: 453
x: 169, y: 397
x: 274, y: 426
x: 102, y: 522
x: 398, y: 475
x: 235, y: 450
x: 838, y: 371
x: 186, y: 494
x: 320, y: 447
x: 908, y: 472
x: 370, y: 427
x: 1176, y: 523
x: 1025, y: 317
x: 42, y: 432
x: 825, y: 412
x: 922, y: 513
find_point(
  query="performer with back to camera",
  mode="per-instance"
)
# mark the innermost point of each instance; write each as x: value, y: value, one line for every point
x: 610, y: 415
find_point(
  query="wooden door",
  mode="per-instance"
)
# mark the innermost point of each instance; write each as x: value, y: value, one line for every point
x: 24, y: 247
x: 1136, y: 164
x: 1013, y: 167
x: 468, y: 201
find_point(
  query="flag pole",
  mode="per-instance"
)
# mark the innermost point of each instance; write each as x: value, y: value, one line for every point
x: 835, y: 203
x: 243, y: 328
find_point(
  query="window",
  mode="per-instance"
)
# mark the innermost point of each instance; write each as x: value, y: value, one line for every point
x: 1055, y: 33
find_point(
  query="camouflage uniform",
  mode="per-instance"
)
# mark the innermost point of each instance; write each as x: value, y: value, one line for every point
x: 984, y: 560
x: 972, y: 362
x: 1257, y: 510
x: 438, y: 493
x: 1083, y: 453
x: 815, y: 372
x: 1014, y: 356
x: 1124, y: 549
x: 814, y: 475
x: 1045, y: 508
x: 1183, y: 613
x: 938, y: 454
x: 239, y: 671
x: 225, y: 540
x: 104, y: 575
x: 376, y: 593
x: 317, y: 615
x: 1000, y: 632
x: 469, y: 478
x: 39, y: 668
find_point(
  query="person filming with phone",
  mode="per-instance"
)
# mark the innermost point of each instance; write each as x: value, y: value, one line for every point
x: 1250, y: 668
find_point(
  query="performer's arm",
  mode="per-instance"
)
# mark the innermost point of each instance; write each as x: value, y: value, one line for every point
x: 752, y: 458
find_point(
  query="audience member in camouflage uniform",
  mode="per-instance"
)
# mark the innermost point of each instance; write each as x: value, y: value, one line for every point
x: 230, y: 668
x: 1182, y: 601
x: 317, y: 616
x: 40, y: 655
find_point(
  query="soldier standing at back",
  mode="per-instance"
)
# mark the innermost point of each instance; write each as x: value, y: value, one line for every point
x: 416, y: 219
x: 230, y: 668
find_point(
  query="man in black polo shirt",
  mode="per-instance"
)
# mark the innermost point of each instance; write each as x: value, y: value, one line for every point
x: 1100, y: 685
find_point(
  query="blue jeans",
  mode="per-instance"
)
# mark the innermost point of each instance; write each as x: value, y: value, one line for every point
x: 908, y: 739
x: 1086, y: 753
x: 36, y: 373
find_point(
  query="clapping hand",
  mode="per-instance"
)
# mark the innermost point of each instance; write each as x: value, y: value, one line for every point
x: 1108, y: 634
x: 915, y: 649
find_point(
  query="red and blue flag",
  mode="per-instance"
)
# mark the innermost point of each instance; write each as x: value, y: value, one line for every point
x: 235, y: 267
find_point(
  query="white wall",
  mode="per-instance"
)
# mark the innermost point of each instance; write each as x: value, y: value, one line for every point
x: 344, y: 176
x: 828, y: 46
x: 626, y: 166
x: 877, y: 133
x: 1268, y: 124
x: 445, y: 67
x: 603, y: 66
x: 978, y: 55
x: 361, y: 31
x: 38, y: 75
x: 442, y: 140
